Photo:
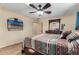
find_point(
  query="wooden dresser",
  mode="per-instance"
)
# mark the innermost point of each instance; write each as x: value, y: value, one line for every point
x: 14, y: 49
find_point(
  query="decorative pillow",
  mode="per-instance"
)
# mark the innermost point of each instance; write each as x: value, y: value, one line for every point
x: 73, y: 36
x: 75, y: 47
x: 65, y: 34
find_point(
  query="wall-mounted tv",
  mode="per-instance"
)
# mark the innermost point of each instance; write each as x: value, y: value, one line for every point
x: 14, y: 24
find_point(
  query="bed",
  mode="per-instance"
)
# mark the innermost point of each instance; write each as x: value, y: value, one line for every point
x: 51, y: 44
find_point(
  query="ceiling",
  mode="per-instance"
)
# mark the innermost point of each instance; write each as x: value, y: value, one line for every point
x: 58, y: 9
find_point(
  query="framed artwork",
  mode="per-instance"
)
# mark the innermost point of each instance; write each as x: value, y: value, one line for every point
x: 54, y: 24
x: 14, y: 24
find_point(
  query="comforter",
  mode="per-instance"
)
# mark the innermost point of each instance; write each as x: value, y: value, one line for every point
x: 51, y: 44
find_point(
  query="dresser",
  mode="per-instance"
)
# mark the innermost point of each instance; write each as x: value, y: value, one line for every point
x: 14, y: 49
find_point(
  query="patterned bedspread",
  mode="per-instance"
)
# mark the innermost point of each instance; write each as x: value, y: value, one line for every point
x: 51, y: 44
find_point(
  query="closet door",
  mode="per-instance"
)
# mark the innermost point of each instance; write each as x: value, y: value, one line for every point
x: 37, y: 28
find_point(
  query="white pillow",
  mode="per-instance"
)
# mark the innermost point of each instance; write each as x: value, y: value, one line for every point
x: 77, y: 41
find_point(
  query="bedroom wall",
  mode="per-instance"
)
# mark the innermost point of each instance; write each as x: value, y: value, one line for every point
x: 68, y: 20
x: 7, y: 36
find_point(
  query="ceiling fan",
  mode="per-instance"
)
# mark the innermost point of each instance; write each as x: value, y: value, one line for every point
x: 40, y: 9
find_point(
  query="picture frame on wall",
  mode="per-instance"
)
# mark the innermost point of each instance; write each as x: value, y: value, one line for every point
x: 14, y: 24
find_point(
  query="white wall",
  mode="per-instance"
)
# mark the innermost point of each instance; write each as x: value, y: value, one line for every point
x: 7, y: 37
x: 68, y: 20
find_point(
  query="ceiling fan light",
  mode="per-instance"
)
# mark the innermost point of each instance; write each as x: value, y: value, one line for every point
x: 40, y: 12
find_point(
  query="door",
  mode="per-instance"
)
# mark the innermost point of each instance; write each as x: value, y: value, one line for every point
x: 37, y: 28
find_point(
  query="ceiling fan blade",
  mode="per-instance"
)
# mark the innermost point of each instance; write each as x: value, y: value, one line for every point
x: 32, y: 6
x: 33, y: 12
x: 47, y: 6
x: 48, y: 12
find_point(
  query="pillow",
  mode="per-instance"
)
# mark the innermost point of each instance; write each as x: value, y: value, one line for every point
x: 73, y: 36
x: 77, y: 40
x: 65, y: 34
